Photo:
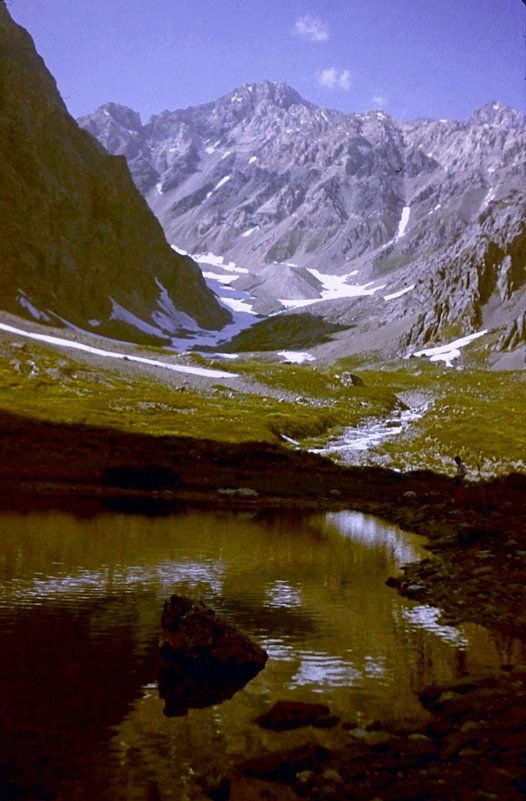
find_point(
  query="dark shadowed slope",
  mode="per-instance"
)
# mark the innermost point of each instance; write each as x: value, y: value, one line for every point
x: 78, y: 242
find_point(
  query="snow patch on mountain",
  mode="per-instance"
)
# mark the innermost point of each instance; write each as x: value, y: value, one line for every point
x: 220, y: 183
x: 490, y: 195
x: 334, y: 287
x: 239, y: 305
x: 400, y: 292
x: 447, y: 353
x: 296, y: 356
x: 114, y: 354
x: 402, y: 225
x: 210, y: 259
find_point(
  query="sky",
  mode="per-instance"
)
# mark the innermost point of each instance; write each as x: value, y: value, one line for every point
x: 410, y: 58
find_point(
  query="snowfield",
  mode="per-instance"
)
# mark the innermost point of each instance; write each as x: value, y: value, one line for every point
x: 203, y: 372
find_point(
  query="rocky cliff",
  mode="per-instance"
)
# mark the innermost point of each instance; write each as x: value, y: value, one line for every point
x: 79, y: 244
x: 429, y: 214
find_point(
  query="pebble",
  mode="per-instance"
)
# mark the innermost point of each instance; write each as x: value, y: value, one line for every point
x: 449, y: 695
x: 377, y: 739
x: 357, y: 734
x: 332, y: 775
x: 414, y: 589
x: 481, y: 571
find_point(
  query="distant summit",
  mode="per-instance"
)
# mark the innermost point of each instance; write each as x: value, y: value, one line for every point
x: 497, y: 113
x: 280, y: 95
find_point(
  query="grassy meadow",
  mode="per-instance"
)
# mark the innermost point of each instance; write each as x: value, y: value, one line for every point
x: 474, y: 412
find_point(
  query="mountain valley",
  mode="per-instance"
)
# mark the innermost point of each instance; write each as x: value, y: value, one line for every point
x: 324, y: 244
x: 407, y: 235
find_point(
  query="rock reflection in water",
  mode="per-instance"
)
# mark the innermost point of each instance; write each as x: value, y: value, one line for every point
x: 185, y: 684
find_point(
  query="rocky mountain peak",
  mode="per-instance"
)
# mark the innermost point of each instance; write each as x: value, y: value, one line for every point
x: 122, y: 115
x: 499, y: 114
x: 118, y: 128
x: 269, y: 93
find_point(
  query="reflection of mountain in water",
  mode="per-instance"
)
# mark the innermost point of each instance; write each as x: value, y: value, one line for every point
x: 365, y: 529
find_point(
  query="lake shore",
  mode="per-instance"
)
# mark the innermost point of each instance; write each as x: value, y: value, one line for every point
x: 476, y: 571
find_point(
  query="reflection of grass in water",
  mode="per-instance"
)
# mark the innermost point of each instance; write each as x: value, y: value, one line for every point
x: 477, y: 413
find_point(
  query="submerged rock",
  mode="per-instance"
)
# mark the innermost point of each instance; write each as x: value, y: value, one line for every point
x: 295, y: 714
x: 284, y: 766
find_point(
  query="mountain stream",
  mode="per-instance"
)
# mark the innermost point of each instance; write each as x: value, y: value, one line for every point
x: 354, y: 446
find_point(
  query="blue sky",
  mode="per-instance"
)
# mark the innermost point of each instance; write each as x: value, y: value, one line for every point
x: 412, y: 58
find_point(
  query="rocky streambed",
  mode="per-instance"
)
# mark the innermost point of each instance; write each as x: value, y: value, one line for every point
x: 353, y: 447
x: 472, y: 747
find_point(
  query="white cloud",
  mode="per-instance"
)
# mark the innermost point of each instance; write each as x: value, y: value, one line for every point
x: 332, y: 78
x: 344, y: 81
x: 379, y: 101
x: 312, y: 28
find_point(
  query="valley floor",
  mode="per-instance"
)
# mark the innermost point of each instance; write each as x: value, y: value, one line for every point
x: 473, y: 746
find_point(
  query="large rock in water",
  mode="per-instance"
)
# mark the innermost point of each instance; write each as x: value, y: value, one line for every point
x: 79, y: 244
x: 206, y: 659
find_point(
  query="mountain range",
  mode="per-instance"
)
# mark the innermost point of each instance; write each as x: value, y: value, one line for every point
x: 304, y: 226
x: 405, y: 234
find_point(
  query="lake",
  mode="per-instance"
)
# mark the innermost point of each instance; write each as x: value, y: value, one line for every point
x: 81, y: 595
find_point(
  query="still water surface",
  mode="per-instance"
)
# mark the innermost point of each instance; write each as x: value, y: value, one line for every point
x: 80, y: 604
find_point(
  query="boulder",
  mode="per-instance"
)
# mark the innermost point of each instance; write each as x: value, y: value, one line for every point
x: 206, y: 659
x: 351, y: 380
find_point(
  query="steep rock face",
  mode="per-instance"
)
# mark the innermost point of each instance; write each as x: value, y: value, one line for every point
x: 432, y: 209
x: 481, y: 283
x: 79, y: 244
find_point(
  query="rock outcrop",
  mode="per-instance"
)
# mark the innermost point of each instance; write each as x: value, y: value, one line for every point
x: 79, y: 245
x: 514, y: 334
